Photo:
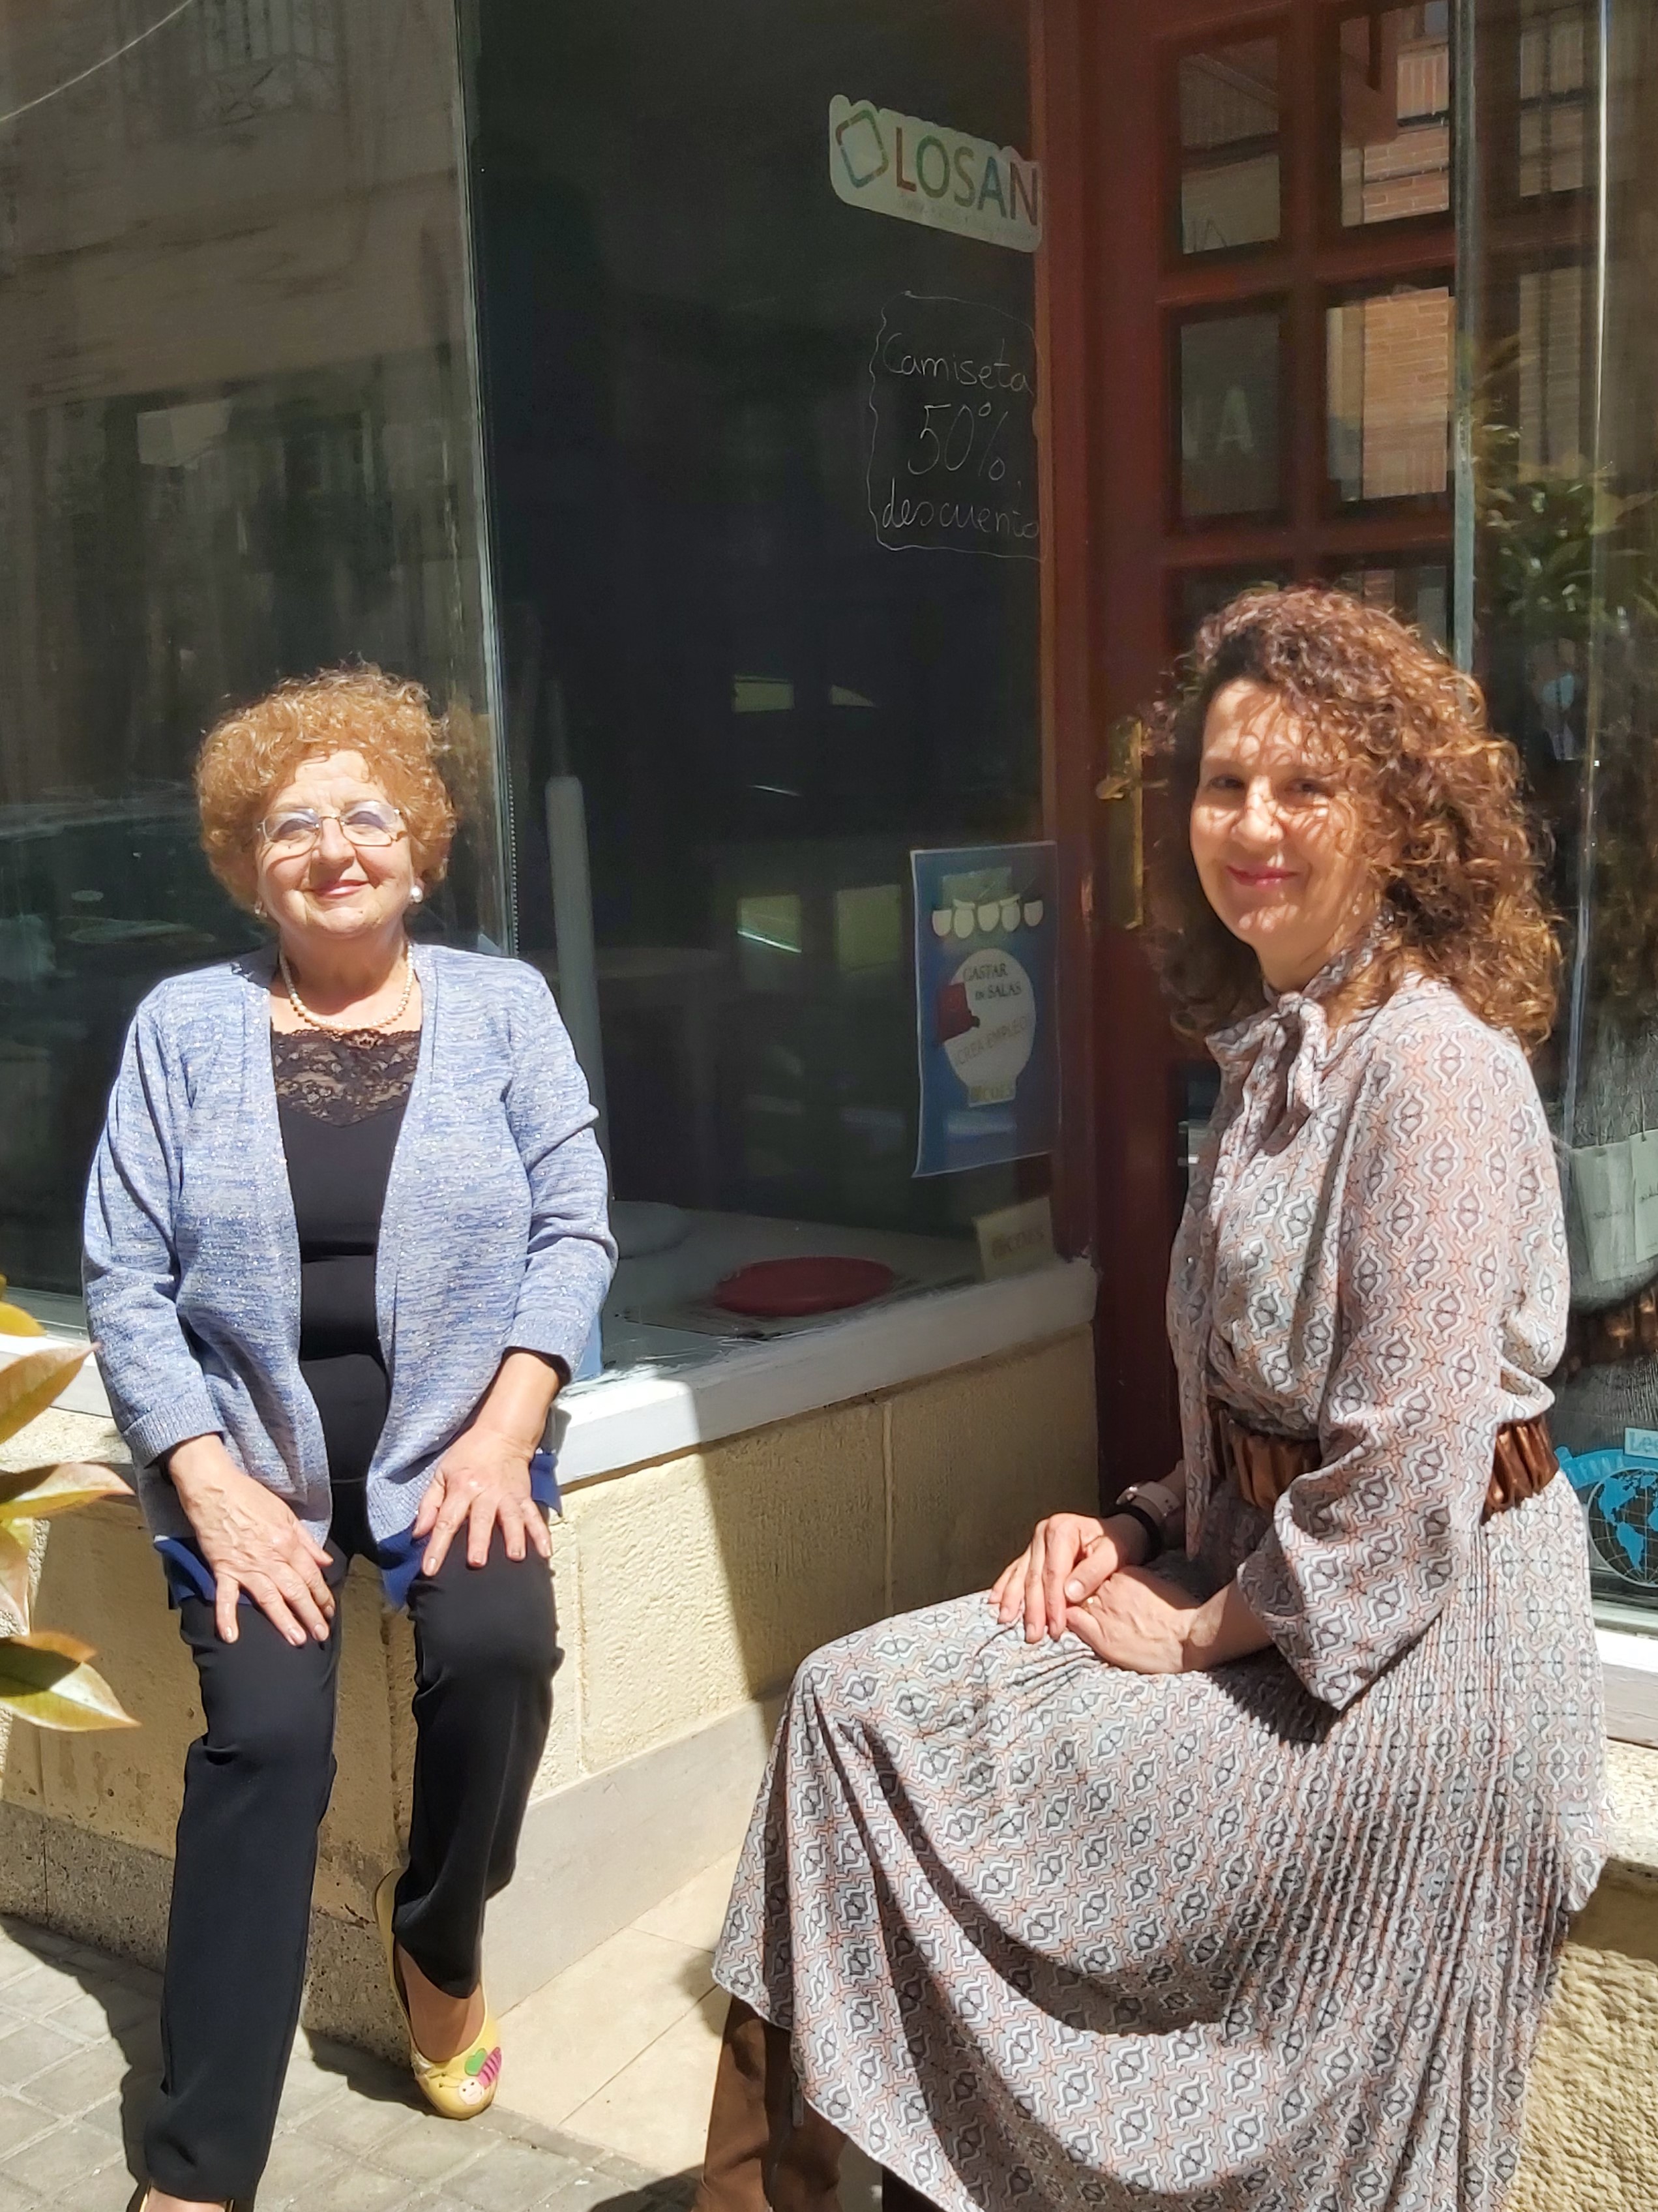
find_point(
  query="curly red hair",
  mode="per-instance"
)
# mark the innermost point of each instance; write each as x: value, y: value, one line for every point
x: 251, y: 753
x: 1455, y: 860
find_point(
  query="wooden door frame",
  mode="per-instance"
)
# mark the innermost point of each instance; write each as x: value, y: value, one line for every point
x: 1109, y: 287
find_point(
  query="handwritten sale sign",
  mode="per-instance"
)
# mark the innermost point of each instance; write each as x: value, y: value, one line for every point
x: 952, y: 404
x: 920, y: 172
x: 985, y: 1005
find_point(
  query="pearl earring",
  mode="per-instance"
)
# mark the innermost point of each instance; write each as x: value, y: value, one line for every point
x: 416, y: 896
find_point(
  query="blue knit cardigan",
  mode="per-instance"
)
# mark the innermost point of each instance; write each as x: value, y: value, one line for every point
x: 494, y: 1235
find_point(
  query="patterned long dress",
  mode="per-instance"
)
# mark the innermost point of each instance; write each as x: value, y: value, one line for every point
x: 1277, y: 1935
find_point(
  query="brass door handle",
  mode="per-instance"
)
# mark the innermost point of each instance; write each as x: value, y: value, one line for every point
x: 1120, y: 845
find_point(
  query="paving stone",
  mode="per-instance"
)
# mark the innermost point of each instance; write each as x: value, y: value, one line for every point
x: 110, y: 2190
x: 109, y: 2115
x: 84, y: 2015
x: 21, y: 2121
x: 359, y: 2189
x: 122, y: 2005
x: 510, y: 2177
x: 355, y: 2123
x: 46, y: 1990
x: 297, y: 2165
x: 60, y: 2166
x: 308, y: 2087
x: 30, y: 2050
x: 79, y: 2061
x: 584, y: 2189
x: 84, y: 2078
x: 427, y: 2150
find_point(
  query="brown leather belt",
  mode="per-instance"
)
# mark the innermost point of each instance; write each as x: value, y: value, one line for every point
x: 1261, y: 1468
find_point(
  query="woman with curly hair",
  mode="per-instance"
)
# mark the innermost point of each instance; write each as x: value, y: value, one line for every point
x: 345, y: 1238
x: 1223, y: 1861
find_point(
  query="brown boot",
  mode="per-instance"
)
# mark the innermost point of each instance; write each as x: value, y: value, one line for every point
x: 759, y: 2157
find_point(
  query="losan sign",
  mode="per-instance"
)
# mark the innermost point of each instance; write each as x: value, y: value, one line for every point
x: 925, y: 173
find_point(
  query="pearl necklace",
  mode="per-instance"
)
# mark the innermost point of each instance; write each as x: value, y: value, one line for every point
x: 347, y: 1029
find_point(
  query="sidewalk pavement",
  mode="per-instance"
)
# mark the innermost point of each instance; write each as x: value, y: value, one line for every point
x: 79, y: 2057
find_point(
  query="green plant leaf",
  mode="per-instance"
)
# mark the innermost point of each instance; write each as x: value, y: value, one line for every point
x: 28, y: 1385
x: 14, y: 1543
x: 38, y: 1491
x: 44, y: 1680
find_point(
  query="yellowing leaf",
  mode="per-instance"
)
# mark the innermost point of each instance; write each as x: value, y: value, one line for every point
x: 28, y: 1385
x: 38, y: 1491
x: 44, y: 1680
x: 14, y: 1543
x: 14, y: 1322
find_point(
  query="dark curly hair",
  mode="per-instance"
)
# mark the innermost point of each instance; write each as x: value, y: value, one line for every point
x: 1455, y: 861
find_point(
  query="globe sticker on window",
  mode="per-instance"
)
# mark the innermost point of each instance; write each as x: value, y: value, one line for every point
x: 1618, y: 1491
x: 985, y: 1005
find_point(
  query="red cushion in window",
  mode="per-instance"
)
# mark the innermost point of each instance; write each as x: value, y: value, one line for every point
x: 776, y: 1290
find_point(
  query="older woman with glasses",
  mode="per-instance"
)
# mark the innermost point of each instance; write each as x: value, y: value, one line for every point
x: 345, y: 1239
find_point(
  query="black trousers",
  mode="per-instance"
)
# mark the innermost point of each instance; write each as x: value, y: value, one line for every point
x: 257, y: 1784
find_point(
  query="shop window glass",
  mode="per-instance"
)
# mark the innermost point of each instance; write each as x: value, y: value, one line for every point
x: 236, y: 431
x: 1388, y: 394
x: 763, y: 479
x: 1228, y: 102
x: 1395, y: 79
x: 1564, y: 493
x: 1230, y: 377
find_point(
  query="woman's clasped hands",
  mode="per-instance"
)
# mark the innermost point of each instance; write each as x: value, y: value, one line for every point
x: 1082, y: 1576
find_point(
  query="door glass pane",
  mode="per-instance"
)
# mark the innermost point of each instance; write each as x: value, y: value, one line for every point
x: 1395, y: 69
x: 1199, y: 592
x: 1388, y: 394
x: 236, y: 438
x: 1230, y: 382
x: 1229, y: 128
x: 765, y: 480
x: 1416, y: 591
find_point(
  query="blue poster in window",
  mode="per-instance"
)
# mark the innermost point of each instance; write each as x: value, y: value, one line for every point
x: 986, y: 1004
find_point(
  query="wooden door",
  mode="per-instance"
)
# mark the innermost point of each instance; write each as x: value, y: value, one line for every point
x: 1249, y: 321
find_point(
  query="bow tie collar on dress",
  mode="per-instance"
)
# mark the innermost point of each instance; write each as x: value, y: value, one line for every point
x: 1277, y: 1056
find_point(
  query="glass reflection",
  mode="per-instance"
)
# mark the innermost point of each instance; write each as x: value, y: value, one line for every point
x: 1395, y: 70
x: 1388, y: 385
x: 1229, y: 126
x: 1230, y: 375
x: 763, y: 475
x: 1565, y: 496
x: 236, y: 428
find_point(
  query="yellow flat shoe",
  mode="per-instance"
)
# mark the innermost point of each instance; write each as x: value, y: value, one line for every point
x: 460, y: 2088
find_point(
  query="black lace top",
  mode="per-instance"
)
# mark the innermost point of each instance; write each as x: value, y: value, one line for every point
x: 340, y: 1099
x: 345, y: 1076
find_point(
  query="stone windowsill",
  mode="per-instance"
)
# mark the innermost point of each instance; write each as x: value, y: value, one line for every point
x: 651, y: 1412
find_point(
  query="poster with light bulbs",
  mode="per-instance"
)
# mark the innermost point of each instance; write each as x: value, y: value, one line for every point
x: 985, y: 1005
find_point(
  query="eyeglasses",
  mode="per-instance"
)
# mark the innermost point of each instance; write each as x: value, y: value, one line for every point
x: 370, y: 823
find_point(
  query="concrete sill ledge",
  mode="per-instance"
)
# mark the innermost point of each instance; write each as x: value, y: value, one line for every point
x: 625, y: 1420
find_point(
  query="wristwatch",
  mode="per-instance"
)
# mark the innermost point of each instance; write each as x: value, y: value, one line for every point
x: 1156, y: 1507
